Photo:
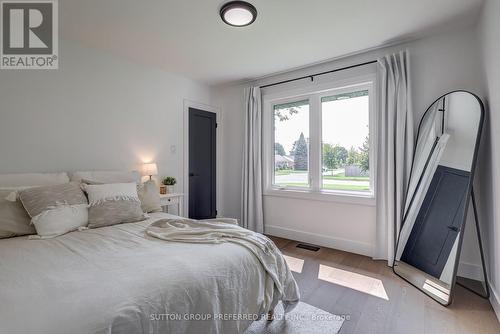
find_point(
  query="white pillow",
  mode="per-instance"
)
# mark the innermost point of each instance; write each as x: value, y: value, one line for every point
x: 60, y: 220
x: 19, y: 182
x: 13, y: 194
x: 32, y: 180
x: 103, y: 192
x: 107, y: 177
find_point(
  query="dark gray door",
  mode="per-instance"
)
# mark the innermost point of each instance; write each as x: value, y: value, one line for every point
x: 438, y: 221
x: 202, y: 164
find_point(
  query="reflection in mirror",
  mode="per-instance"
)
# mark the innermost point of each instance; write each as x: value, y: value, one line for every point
x: 438, y: 194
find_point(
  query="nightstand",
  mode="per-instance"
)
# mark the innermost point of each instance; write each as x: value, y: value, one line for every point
x: 168, y: 200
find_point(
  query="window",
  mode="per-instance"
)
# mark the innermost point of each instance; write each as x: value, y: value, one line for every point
x: 320, y: 142
x: 345, y: 144
x: 291, y: 144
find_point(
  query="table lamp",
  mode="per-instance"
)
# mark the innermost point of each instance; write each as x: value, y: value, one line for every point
x: 149, y: 170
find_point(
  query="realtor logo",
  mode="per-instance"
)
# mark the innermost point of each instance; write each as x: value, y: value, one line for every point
x: 29, y: 35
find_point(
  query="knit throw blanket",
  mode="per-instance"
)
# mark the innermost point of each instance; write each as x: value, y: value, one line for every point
x: 219, y: 231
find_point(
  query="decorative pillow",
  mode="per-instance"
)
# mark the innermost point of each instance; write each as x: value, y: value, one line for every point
x: 55, y: 210
x: 36, y: 200
x: 147, y: 192
x: 111, y: 204
x: 60, y: 220
x: 149, y: 197
x: 14, y: 221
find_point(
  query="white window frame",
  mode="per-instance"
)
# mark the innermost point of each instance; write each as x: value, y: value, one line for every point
x: 314, y: 93
x: 284, y: 101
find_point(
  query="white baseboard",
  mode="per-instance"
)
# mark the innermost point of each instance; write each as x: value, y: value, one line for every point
x: 470, y: 270
x: 347, y: 245
x: 495, y: 301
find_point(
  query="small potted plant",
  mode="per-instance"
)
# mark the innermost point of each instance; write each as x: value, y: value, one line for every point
x: 169, y: 183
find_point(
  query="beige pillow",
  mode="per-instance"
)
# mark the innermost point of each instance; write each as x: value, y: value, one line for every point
x: 149, y: 197
x: 111, y: 204
x: 14, y: 220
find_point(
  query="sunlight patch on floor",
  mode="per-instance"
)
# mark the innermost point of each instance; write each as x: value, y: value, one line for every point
x: 436, y: 289
x: 351, y: 280
x: 295, y: 264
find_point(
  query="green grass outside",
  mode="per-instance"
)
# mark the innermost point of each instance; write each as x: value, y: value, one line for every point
x: 348, y: 187
x: 341, y: 176
x: 288, y: 172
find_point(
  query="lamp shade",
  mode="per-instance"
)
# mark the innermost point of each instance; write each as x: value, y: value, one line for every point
x: 149, y: 169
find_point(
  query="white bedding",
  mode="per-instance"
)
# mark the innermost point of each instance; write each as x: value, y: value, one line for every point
x: 118, y: 280
x: 280, y: 282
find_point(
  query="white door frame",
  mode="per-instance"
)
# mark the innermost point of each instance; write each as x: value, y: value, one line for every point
x: 185, y: 170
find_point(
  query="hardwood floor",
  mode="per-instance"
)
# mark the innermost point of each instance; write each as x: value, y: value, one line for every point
x: 375, y: 300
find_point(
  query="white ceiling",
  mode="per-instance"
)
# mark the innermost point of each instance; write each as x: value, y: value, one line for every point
x: 187, y: 37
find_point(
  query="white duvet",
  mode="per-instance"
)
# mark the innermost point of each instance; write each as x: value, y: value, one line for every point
x: 119, y: 280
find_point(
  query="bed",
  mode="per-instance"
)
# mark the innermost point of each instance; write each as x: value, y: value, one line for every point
x: 117, y: 279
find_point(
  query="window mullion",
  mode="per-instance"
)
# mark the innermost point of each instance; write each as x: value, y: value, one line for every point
x: 315, y: 143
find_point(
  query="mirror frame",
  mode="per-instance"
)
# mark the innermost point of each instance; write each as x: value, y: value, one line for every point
x: 469, y: 190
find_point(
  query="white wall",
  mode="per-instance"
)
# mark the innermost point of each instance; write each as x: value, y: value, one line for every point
x: 231, y: 101
x: 96, y: 112
x: 490, y: 156
x: 440, y: 64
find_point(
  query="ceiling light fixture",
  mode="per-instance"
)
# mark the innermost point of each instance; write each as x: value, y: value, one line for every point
x: 238, y: 13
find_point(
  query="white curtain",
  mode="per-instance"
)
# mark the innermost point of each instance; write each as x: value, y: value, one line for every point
x: 430, y: 131
x: 394, y: 150
x: 252, y: 216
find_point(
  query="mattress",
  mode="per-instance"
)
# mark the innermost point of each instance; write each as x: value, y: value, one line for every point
x: 118, y: 280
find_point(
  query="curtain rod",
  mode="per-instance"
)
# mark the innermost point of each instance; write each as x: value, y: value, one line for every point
x: 317, y: 74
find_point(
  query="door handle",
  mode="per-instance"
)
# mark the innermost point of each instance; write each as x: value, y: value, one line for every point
x: 193, y: 174
x: 453, y: 228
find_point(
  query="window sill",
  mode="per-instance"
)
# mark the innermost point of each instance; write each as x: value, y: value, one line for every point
x: 354, y: 198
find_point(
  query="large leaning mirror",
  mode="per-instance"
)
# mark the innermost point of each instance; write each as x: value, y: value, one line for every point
x: 438, y: 194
